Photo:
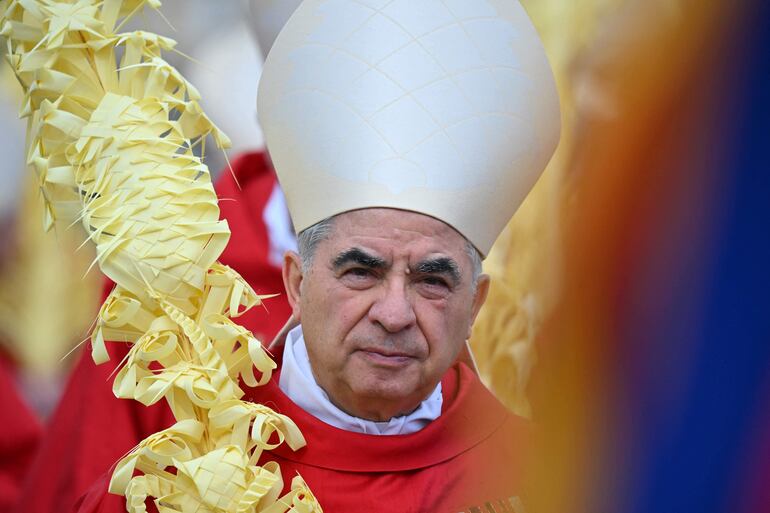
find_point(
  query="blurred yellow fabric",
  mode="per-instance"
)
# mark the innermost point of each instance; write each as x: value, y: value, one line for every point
x: 524, y: 262
x: 47, y: 301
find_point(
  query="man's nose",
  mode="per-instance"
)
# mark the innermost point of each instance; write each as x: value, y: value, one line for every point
x: 393, y: 309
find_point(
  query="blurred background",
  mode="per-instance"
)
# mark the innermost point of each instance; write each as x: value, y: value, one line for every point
x: 629, y: 310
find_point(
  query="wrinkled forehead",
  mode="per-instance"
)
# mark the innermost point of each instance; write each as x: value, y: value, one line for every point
x: 393, y: 233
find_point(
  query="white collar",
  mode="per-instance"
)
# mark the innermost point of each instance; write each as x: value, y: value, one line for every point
x: 297, y: 382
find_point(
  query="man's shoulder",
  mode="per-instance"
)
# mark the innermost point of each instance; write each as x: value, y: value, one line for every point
x: 476, y: 407
x: 464, y: 388
x: 490, y: 470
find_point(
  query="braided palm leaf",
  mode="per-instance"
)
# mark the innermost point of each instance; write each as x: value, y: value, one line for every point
x: 113, y: 148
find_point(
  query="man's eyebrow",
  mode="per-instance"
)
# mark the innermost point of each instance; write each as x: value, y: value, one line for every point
x: 360, y: 257
x: 441, y: 265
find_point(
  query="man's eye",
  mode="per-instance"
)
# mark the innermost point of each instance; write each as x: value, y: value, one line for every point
x: 433, y: 281
x: 358, y: 272
x: 358, y: 277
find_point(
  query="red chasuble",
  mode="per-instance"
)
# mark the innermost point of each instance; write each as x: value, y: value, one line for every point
x: 469, y: 459
x: 91, y: 429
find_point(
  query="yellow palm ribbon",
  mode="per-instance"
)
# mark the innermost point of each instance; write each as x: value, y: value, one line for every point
x: 114, y: 147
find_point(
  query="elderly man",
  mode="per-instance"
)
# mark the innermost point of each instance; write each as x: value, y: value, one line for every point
x: 404, y: 134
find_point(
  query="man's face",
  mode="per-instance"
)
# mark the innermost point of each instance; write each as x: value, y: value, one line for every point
x: 385, y: 307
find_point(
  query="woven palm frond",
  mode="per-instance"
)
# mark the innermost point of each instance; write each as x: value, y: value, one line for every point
x: 113, y: 145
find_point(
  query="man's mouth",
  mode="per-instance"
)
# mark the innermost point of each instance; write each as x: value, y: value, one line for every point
x: 385, y: 358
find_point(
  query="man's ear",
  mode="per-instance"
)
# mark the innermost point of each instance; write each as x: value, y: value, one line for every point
x: 482, y: 289
x: 292, y: 280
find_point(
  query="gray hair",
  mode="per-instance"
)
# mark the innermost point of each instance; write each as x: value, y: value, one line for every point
x: 308, y: 239
x: 476, y: 260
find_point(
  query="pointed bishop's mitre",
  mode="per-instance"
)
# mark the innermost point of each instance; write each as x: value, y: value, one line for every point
x: 443, y: 107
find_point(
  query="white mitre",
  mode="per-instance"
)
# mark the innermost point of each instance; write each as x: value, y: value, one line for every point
x: 443, y: 107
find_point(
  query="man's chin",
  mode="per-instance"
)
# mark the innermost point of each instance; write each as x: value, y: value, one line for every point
x: 399, y: 395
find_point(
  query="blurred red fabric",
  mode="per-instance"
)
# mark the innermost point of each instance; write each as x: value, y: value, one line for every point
x: 19, y: 437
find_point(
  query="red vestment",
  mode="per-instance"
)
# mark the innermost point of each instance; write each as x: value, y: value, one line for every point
x: 91, y: 429
x: 469, y: 459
